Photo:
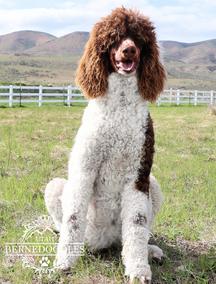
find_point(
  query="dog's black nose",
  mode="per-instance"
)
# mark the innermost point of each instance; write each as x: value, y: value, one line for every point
x: 129, y: 52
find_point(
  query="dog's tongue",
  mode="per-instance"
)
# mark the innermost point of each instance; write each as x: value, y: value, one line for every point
x: 127, y: 66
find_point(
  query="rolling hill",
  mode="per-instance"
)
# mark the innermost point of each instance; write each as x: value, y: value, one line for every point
x: 203, y: 52
x: 22, y: 41
x: 39, y: 58
x: 71, y: 44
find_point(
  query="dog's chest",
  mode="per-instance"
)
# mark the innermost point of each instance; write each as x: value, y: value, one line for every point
x: 121, y: 116
x: 122, y: 152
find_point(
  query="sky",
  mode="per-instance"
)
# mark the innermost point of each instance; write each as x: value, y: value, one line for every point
x: 179, y: 20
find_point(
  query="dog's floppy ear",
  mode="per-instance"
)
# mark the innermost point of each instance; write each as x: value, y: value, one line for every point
x: 94, y: 67
x: 151, y: 73
x: 92, y: 72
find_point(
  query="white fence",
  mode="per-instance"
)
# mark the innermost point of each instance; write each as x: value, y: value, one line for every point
x: 193, y: 97
x: 68, y: 95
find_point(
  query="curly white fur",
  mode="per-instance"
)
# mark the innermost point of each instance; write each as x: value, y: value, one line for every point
x: 99, y: 203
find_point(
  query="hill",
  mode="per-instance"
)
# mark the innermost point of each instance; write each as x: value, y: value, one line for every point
x: 71, y: 44
x: 190, y: 65
x: 40, y: 43
x: 203, y: 52
x: 22, y: 41
x: 40, y: 58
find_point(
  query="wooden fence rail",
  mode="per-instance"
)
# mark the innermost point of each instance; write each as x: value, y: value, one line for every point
x: 68, y: 95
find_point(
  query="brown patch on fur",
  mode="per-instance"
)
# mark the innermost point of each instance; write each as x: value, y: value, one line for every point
x: 142, y: 182
x: 73, y: 221
x: 95, y: 66
x: 75, y: 227
x: 73, y: 218
x: 140, y: 219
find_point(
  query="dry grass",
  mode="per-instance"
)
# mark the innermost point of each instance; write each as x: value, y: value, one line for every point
x: 34, y: 146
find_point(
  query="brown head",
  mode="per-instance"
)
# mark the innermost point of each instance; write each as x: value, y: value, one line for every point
x: 123, y: 42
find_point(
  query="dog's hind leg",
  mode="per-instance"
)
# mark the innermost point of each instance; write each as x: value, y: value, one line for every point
x: 156, y: 195
x: 53, y: 193
x: 157, y: 199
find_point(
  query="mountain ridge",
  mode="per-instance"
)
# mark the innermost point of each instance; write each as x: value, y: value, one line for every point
x: 40, y: 43
x: 20, y: 41
x: 36, y: 57
x: 72, y: 43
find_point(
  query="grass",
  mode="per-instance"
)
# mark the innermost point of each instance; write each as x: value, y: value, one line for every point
x: 37, y: 70
x: 34, y: 147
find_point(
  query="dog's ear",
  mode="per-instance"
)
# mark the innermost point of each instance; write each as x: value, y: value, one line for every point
x: 94, y: 67
x: 92, y: 72
x: 151, y: 73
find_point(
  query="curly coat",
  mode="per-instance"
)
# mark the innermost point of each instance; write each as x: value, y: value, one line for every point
x: 110, y: 196
x: 95, y: 66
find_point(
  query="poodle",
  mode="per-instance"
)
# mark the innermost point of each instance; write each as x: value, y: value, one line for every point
x: 110, y: 195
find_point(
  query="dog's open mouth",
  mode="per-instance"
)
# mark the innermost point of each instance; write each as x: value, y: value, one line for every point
x: 127, y: 66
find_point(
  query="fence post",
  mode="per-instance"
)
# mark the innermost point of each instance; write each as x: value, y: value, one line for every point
x: 195, y: 97
x: 178, y: 97
x: 170, y: 95
x: 158, y: 101
x: 69, y: 91
x: 211, y: 97
x: 11, y: 96
x: 40, y: 96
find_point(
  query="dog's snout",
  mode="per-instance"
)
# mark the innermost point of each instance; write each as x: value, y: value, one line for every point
x: 125, y: 56
x: 129, y: 51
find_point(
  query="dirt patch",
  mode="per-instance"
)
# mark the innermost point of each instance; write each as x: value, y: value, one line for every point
x: 195, y: 248
x: 191, y: 248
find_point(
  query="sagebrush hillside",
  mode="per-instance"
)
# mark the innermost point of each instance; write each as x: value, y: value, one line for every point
x: 190, y: 65
x: 203, y: 52
x: 22, y: 41
x: 31, y: 57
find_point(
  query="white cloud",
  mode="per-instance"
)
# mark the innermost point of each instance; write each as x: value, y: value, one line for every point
x: 6, y: 4
x: 181, y: 22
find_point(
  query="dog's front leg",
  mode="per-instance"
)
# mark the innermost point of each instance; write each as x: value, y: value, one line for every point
x: 75, y: 202
x: 83, y: 169
x: 136, y: 217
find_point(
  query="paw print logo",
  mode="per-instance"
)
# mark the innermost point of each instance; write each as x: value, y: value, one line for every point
x: 44, y: 261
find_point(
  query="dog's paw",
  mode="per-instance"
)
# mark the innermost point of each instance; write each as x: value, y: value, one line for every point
x: 156, y: 254
x: 62, y: 264
x: 140, y: 280
x: 144, y: 277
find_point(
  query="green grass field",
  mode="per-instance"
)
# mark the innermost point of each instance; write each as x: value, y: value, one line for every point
x: 34, y: 147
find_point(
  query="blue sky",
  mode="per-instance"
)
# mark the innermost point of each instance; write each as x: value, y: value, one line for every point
x: 180, y: 20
